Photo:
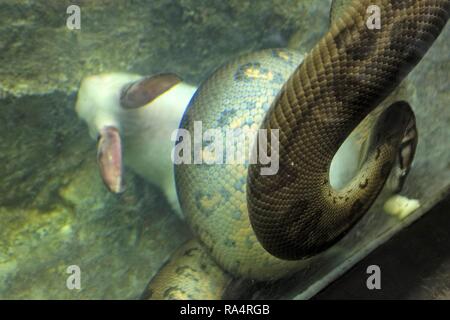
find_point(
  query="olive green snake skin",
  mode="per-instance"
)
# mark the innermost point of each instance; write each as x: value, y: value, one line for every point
x: 264, y: 227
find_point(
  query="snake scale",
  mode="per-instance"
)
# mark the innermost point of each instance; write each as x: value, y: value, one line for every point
x: 264, y: 227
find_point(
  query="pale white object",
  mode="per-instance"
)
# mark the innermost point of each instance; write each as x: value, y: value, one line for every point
x: 400, y: 206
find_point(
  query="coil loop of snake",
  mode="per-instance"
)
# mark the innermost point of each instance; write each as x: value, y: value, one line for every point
x: 265, y: 227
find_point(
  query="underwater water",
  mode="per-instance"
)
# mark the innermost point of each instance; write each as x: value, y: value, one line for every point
x: 55, y: 211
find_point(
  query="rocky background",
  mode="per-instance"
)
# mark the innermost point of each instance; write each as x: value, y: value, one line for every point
x: 54, y: 209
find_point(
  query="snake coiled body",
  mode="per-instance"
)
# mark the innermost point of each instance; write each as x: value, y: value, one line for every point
x: 252, y: 224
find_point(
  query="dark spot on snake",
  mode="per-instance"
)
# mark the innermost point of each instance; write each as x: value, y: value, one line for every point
x: 225, y: 116
x: 195, y: 228
x: 147, y: 294
x: 58, y: 142
x: 360, y: 48
x: 401, y: 5
x: 278, y: 78
x: 364, y: 184
x: 303, y: 229
x: 230, y: 243
x: 182, y: 270
x: 297, y: 208
x: 409, y: 53
x: 284, y: 55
